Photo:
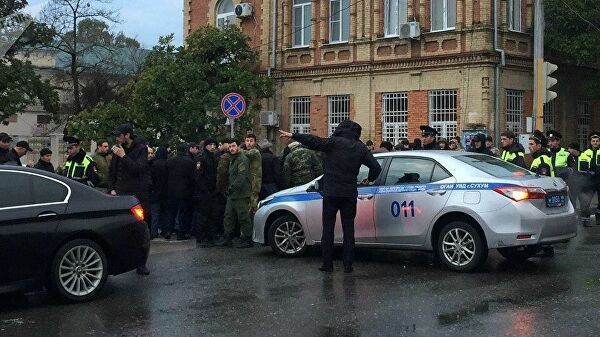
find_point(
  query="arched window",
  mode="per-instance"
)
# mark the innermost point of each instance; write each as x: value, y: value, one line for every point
x: 225, y: 13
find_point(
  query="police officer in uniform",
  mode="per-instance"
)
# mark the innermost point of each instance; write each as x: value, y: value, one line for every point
x: 542, y: 158
x: 562, y: 161
x: 589, y: 165
x: 428, y: 138
x: 512, y: 152
x: 79, y: 166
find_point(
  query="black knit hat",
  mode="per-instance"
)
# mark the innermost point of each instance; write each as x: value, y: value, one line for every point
x: 45, y: 151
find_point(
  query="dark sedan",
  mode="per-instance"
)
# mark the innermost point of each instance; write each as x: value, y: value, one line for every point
x: 64, y: 235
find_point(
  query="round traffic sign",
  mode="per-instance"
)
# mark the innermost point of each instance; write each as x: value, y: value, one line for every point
x: 233, y: 105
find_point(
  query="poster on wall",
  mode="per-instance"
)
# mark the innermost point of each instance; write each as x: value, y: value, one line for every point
x: 468, y: 135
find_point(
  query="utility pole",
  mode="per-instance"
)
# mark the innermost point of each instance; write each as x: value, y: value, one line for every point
x: 538, y: 65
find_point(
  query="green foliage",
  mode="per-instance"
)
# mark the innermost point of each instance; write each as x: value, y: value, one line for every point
x: 20, y: 86
x: 177, y: 95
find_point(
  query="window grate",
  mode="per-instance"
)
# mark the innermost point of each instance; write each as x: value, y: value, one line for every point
x: 514, y: 110
x: 300, y: 115
x: 443, y: 112
x: 394, y: 116
x: 584, y: 118
x: 339, y: 110
x: 549, y: 116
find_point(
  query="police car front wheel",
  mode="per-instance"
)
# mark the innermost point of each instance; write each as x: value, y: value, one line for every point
x: 460, y: 246
x: 287, y: 236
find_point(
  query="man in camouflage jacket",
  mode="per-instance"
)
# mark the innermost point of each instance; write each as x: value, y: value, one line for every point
x: 301, y: 165
x: 252, y: 151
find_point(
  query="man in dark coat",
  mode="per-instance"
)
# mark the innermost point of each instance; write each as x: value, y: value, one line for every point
x: 271, y: 170
x: 345, y: 154
x: 180, y: 187
x: 5, y: 141
x: 206, y: 202
x: 14, y: 155
x: 44, y: 163
x: 129, y: 172
x: 158, y: 192
x: 428, y: 135
x: 478, y: 145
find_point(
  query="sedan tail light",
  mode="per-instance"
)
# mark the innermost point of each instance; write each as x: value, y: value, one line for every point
x: 138, y: 212
x: 518, y: 193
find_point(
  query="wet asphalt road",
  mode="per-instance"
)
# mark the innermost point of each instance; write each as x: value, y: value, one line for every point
x: 235, y: 292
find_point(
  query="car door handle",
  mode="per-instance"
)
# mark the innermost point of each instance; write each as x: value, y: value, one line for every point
x: 437, y: 192
x: 47, y: 214
x: 365, y: 196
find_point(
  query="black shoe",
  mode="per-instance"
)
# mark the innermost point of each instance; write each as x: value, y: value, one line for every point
x: 326, y: 269
x: 586, y: 222
x: 166, y: 236
x: 224, y: 242
x: 348, y: 269
x: 143, y: 270
x: 205, y: 244
x: 245, y: 242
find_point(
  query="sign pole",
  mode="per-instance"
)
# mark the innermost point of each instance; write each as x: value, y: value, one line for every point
x: 232, y: 124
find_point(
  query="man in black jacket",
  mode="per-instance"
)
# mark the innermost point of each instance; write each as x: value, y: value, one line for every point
x: 5, y: 141
x: 129, y: 172
x: 44, y: 163
x: 271, y: 170
x: 14, y: 155
x: 345, y: 154
x: 478, y: 145
x: 180, y: 187
x: 206, y: 201
x: 158, y: 192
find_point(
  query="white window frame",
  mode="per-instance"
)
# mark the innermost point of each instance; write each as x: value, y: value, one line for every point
x: 443, y: 112
x: 225, y: 16
x: 397, y: 9
x: 300, y: 114
x: 584, y: 121
x: 344, y: 21
x: 338, y: 110
x: 444, y: 14
x: 306, y: 24
x: 514, y: 23
x: 514, y: 110
x: 550, y: 116
x: 394, y: 116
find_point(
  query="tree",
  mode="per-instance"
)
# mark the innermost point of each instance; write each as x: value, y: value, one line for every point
x: 177, y: 94
x: 76, y: 35
x: 20, y: 86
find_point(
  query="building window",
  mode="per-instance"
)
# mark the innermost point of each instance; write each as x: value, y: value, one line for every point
x: 584, y: 118
x: 225, y: 13
x: 339, y: 20
x: 300, y: 115
x: 301, y: 22
x: 338, y: 111
x: 443, y: 14
x: 514, y: 15
x: 394, y: 116
x: 549, y: 116
x: 514, y: 110
x: 442, y: 112
x: 396, y: 12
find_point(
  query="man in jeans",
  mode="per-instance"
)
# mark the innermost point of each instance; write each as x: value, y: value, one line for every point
x: 345, y: 154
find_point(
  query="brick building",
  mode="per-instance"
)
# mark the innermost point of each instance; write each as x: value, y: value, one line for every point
x: 336, y: 59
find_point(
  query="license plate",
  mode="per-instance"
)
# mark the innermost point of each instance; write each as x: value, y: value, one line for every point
x: 556, y: 200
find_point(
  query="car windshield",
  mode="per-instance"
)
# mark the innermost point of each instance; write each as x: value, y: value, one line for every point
x: 494, y: 166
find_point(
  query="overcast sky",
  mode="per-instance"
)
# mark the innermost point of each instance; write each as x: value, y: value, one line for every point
x: 146, y: 20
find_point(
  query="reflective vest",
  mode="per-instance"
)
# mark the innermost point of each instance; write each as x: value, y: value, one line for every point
x: 584, y: 163
x: 510, y: 156
x: 77, y: 171
x: 560, y: 158
x: 543, y: 159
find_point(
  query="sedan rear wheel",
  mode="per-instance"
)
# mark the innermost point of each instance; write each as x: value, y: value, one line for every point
x: 460, y: 246
x: 79, y: 270
x: 287, y: 237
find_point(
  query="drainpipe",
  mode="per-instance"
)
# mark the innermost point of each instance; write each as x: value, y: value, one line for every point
x: 497, y: 71
x: 273, y: 36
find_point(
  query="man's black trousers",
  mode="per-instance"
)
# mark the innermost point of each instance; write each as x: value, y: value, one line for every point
x: 347, y: 208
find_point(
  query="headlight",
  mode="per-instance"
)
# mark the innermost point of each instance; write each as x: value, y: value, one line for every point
x: 265, y: 201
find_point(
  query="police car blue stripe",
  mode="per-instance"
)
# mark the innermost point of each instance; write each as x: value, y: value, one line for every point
x: 308, y: 196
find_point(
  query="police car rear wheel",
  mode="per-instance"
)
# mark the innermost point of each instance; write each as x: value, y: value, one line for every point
x: 519, y: 254
x: 460, y: 246
x: 287, y: 237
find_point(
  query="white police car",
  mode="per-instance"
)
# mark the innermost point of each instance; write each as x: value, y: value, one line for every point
x: 456, y: 204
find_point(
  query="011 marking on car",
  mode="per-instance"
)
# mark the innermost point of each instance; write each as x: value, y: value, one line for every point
x: 398, y: 209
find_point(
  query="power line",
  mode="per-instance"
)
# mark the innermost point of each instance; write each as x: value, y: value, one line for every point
x: 579, y: 15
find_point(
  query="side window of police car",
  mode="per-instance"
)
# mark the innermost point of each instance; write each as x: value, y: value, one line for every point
x: 414, y: 171
x: 363, y: 173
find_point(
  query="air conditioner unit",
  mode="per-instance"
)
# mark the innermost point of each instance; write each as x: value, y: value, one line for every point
x: 410, y: 30
x: 269, y: 118
x: 243, y: 10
